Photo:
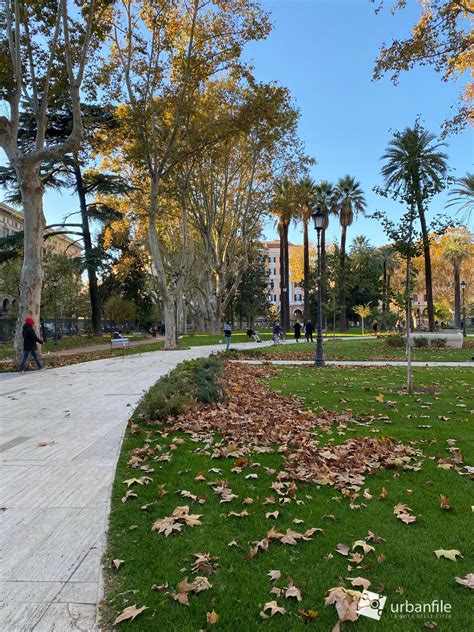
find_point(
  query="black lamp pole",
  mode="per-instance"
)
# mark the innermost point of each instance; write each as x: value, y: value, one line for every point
x: 464, y: 330
x: 318, y: 218
x: 55, y: 286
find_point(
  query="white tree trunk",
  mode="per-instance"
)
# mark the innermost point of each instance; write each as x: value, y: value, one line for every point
x: 32, y: 271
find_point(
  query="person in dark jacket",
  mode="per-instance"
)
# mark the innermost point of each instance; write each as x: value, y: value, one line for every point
x: 308, y: 331
x: 297, y: 328
x: 30, y: 342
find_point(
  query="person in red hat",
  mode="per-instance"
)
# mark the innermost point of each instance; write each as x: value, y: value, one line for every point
x: 30, y: 342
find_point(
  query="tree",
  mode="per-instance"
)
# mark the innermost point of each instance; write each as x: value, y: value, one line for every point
x: 43, y: 62
x: 161, y: 56
x: 252, y: 296
x: 349, y: 199
x: 120, y: 311
x: 307, y: 191
x: 415, y: 166
x: 457, y: 248
x: 364, y: 312
x: 462, y: 195
x: 442, y: 39
x: 285, y: 204
x: 324, y: 197
x: 388, y: 261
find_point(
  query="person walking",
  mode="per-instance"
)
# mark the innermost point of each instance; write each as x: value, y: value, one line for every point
x: 276, y: 332
x: 227, y: 334
x: 297, y: 328
x: 30, y: 342
x: 375, y: 327
x: 309, y: 331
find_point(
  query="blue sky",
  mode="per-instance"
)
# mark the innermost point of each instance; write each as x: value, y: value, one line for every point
x: 324, y: 52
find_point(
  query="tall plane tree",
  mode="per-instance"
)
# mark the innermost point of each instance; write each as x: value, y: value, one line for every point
x: 44, y: 54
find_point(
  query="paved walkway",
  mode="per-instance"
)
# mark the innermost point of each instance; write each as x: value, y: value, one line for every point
x: 60, y: 436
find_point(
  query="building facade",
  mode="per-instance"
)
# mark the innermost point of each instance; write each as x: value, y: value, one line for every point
x: 11, y: 222
x: 272, y: 267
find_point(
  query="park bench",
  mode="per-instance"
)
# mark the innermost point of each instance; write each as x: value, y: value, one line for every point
x: 119, y: 343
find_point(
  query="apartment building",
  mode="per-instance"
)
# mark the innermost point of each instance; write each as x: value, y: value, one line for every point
x: 272, y: 263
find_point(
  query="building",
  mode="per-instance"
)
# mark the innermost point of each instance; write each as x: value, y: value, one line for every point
x: 11, y: 222
x: 272, y: 267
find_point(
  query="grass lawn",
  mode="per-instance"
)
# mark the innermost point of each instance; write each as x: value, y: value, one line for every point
x: 361, y: 349
x: 402, y: 567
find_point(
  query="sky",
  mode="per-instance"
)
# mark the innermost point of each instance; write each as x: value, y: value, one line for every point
x: 324, y: 52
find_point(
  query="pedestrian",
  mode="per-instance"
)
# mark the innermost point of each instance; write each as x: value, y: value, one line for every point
x: 227, y: 334
x: 375, y: 327
x: 309, y: 331
x: 297, y: 328
x: 162, y: 329
x: 30, y: 342
x: 276, y: 332
x: 251, y: 333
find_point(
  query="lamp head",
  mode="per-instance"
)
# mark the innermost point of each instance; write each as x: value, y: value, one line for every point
x: 318, y: 218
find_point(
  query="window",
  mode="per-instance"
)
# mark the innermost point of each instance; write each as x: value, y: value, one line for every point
x: 274, y: 298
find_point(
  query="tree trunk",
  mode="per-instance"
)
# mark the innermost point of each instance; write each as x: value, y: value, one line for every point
x: 31, y: 280
x: 342, y: 281
x: 90, y: 266
x: 387, y: 300
x: 457, y: 295
x: 427, y: 257
x: 384, y: 287
x: 306, y: 286
x: 324, y: 289
x: 408, y: 319
x: 160, y: 273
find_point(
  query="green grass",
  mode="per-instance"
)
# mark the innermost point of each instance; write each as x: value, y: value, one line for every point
x: 241, y: 586
x: 363, y: 349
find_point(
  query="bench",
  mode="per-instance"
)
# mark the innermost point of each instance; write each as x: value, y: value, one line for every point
x: 119, y: 343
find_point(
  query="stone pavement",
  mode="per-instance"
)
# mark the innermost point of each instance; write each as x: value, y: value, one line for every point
x: 60, y: 436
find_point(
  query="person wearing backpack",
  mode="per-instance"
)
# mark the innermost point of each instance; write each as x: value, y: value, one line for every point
x: 30, y: 342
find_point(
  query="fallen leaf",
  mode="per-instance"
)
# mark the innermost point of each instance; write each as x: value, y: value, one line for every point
x: 274, y: 608
x: 212, y: 617
x: 343, y: 549
x: 383, y: 494
x: 444, y: 503
x: 131, y: 612
x: 448, y: 554
x: 363, y: 545
x: 359, y: 581
x: 274, y: 575
x: 468, y: 581
x: 117, y: 563
x: 272, y: 514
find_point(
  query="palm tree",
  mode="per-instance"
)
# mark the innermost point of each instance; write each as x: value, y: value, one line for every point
x: 324, y: 197
x: 349, y: 199
x: 416, y: 168
x: 388, y: 261
x: 463, y: 195
x: 457, y: 248
x: 284, y: 204
x: 307, y: 193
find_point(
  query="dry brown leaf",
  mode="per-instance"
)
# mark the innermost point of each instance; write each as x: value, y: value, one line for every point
x: 212, y: 617
x: 383, y: 494
x: 274, y: 575
x: 129, y: 613
x: 359, y: 581
x: 346, y: 602
x: 274, y: 608
x: 117, y: 563
x: 444, y: 503
x: 467, y: 581
x: 272, y: 514
x: 343, y: 549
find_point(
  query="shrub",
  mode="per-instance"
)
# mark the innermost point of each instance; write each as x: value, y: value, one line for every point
x: 439, y: 343
x: 395, y: 341
x: 175, y: 392
x: 421, y: 342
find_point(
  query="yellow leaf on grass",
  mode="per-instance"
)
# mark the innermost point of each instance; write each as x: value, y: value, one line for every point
x: 448, y: 554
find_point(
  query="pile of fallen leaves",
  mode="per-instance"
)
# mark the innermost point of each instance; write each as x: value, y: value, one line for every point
x: 253, y: 415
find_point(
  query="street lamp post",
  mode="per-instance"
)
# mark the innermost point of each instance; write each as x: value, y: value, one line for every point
x: 463, y: 289
x: 55, y: 286
x: 318, y: 219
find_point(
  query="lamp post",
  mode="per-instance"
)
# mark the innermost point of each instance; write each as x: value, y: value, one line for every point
x: 318, y: 219
x: 463, y: 289
x: 55, y: 286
